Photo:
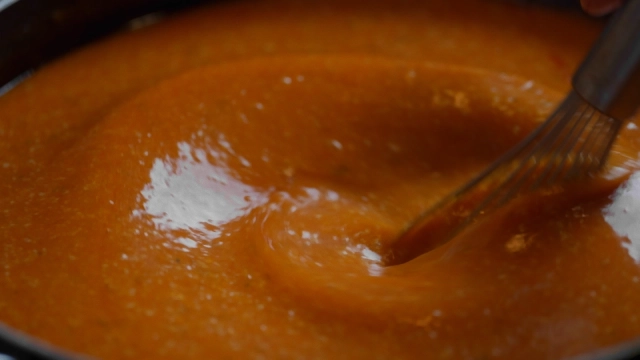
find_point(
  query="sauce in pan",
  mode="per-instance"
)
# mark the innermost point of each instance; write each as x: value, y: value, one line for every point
x: 223, y: 184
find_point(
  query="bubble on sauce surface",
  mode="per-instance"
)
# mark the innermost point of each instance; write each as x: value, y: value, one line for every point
x: 190, y: 195
x: 623, y: 215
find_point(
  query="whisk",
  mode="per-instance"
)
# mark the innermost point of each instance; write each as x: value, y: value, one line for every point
x: 572, y: 143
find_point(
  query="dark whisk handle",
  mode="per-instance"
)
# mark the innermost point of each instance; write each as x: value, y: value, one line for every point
x: 609, y: 77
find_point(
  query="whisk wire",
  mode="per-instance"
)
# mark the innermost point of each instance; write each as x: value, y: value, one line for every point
x: 540, y: 151
x: 613, y: 129
x: 522, y: 150
x: 554, y: 168
x: 572, y: 143
x: 586, y: 147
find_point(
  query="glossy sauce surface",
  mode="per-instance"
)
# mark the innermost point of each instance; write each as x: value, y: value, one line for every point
x: 223, y: 184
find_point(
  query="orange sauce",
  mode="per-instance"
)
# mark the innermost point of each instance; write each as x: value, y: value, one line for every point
x: 223, y: 184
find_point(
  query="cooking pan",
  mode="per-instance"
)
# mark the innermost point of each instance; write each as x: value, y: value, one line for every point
x: 33, y: 32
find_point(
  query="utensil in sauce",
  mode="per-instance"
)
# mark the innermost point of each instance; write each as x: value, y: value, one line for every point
x: 573, y: 143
